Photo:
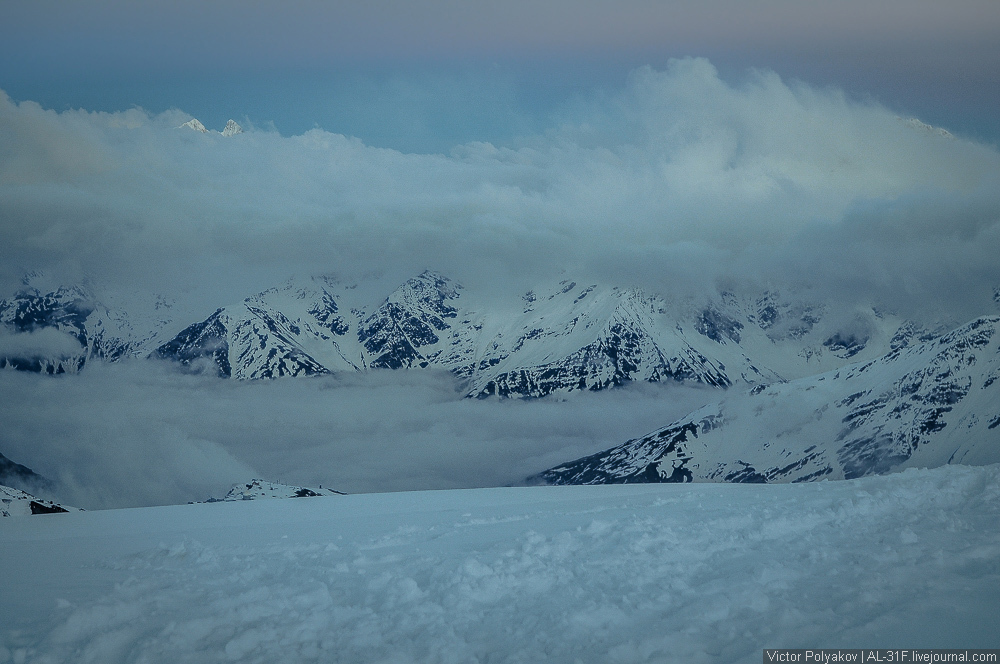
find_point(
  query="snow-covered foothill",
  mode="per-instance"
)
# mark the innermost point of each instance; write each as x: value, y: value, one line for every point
x: 592, y: 574
x: 15, y: 502
x: 257, y: 489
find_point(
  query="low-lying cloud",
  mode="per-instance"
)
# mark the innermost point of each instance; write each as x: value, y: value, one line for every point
x: 138, y: 433
x: 42, y: 343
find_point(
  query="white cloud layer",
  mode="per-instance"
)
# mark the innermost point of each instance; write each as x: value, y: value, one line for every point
x: 43, y: 343
x: 679, y: 180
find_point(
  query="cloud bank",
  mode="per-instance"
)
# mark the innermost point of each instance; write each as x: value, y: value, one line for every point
x: 679, y: 180
x: 44, y: 343
x: 134, y: 434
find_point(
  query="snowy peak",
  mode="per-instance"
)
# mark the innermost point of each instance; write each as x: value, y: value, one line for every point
x: 926, y: 404
x: 591, y: 338
x: 201, y: 346
x: 406, y: 330
x: 194, y: 124
x: 231, y: 129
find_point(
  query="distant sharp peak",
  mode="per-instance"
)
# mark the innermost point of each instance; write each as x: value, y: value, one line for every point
x: 232, y: 128
x: 436, y: 278
x: 32, y: 277
x: 195, y: 124
x: 914, y: 123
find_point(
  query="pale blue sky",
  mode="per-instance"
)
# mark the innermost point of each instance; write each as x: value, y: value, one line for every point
x: 424, y: 75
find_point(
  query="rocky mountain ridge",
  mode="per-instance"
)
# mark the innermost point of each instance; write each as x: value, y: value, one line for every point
x: 563, y: 338
x: 569, y: 338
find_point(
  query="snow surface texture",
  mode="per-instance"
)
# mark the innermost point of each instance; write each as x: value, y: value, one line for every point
x: 923, y: 405
x: 609, y: 574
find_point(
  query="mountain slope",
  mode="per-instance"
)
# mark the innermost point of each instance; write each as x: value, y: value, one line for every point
x: 570, y: 337
x: 59, y: 330
x: 929, y: 404
x: 292, y: 330
x: 596, y: 337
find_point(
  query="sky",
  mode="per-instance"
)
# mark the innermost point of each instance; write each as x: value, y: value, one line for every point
x: 425, y: 75
x: 681, y: 147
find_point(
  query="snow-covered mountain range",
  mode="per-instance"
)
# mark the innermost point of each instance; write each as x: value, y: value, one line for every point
x: 565, y: 337
x: 815, y: 394
x: 923, y: 405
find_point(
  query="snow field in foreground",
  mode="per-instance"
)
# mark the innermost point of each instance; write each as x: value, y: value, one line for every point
x: 634, y: 573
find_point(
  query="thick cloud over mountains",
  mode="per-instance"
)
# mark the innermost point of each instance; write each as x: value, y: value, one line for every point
x: 680, y: 180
